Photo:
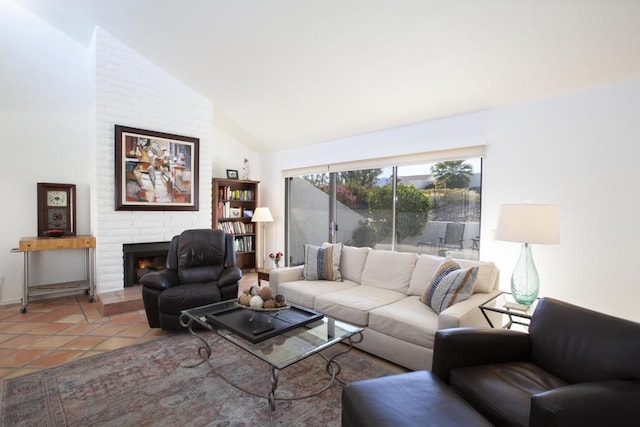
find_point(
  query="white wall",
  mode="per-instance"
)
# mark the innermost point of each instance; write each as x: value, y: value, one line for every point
x: 578, y: 150
x: 132, y: 91
x: 229, y: 153
x: 60, y: 101
x: 44, y: 117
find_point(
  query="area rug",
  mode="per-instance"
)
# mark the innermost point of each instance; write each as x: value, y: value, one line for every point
x: 146, y: 385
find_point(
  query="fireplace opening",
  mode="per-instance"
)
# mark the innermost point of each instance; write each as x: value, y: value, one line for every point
x: 142, y: 258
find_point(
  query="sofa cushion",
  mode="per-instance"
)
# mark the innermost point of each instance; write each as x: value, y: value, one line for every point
x: 304, y: 292
x: 450, y: 285
x: 352, y: 262
x: 510, y: 386
x: 389, y: 270
x: 353, y: 305
x: 322, y: 262
x: 177, y: 298
x: 426, y: 266
x: 407, y: 399
x: 487, y: 274
x: 407, y: 319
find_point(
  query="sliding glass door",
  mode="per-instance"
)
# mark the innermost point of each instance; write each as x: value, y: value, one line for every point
x: 424, y: 208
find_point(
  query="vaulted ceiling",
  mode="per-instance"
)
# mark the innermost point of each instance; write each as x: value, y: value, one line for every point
x: 284, y: 73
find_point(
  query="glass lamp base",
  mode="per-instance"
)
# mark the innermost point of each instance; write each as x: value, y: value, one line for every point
x: 525, y: 283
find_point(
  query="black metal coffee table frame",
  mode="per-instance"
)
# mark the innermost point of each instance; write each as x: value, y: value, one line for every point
x: 295, y: 344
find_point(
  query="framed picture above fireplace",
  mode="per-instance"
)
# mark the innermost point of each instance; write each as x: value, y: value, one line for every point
x: 155, y: 171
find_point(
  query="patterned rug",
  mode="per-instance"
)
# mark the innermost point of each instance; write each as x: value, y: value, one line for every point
x: 145, y: 385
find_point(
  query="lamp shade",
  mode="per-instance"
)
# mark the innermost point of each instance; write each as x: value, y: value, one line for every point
x: 262, y: 215
x: 528, y: 223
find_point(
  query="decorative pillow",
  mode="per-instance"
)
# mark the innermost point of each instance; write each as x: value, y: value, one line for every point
x: 450, y: 284
x: 422, y: 273
x: 487, y: 274
x: 322, y: 262
x: 352, y: 262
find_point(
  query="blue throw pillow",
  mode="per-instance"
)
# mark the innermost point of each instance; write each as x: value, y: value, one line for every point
x: 449, y: 285
x: 322, y: 262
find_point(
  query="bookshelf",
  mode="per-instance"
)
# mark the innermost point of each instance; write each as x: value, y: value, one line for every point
x: 233, y: 204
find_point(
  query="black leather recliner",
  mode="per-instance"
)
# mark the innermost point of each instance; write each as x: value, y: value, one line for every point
x: 201, y: 269
x: 575, y: 367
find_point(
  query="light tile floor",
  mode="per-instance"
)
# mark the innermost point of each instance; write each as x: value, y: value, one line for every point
x: 58, y: 330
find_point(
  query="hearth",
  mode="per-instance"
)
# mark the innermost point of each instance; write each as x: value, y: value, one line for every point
x: 142, y: 258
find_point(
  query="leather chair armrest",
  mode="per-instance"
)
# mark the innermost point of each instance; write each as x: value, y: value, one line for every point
x: 160, y: 279
x: 612, y: 402
x: 229, y: 275
x: 458, y: 347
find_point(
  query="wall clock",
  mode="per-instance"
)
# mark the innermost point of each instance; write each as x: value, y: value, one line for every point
x: 56, y: 210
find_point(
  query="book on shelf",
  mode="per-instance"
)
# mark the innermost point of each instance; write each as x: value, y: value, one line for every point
x: 235, y: 227
x: 226, y: 193
x: 244, y: 244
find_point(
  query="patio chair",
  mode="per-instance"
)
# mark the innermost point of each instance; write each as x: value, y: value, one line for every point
x: 452, y: 239
x: 453, y: 236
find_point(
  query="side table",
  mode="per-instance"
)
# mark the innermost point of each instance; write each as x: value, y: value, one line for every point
x: 263, y: 274
x: 37, y: 244
x: 504, y: 303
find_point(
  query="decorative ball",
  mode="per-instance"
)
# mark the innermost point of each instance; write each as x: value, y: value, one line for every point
x: 266, y: 293
x: 244, y: 299
x: 256, y: 302
x: 280, y: 299
x: 269, y: 304
x: 254, y: 290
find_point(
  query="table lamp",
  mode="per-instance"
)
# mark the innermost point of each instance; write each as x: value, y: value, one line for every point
x: 262, y: 215
x: 528, y: 224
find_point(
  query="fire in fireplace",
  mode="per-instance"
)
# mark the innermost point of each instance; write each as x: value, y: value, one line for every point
x: 142, y: 258
x: 148, y: 264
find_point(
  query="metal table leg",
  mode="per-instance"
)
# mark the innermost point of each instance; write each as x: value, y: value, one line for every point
x: 25, y: 282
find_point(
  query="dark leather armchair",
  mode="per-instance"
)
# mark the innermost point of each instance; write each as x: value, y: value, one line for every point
x: 201, y: 269
x: 576, y: 367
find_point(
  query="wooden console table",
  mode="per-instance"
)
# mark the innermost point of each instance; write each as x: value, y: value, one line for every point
x: 263, y: 274
x: 36, y: 244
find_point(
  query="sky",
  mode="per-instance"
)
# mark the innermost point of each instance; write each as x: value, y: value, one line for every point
x: 425, y: 168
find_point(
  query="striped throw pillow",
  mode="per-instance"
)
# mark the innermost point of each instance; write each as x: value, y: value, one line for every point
x: 322, y: 262
x: 449, y: 285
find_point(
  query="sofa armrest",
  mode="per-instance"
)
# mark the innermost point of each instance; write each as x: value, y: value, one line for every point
x: 160, y: 279
x: 458, y: 347
x: 613, y: 402
x: 467, y: 313
x: 283, y: 275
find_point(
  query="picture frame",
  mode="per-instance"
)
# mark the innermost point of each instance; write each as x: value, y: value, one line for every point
x: 232, y: 174
x: 235, y: 212
x: 155, y: 171
x: 56, y: 209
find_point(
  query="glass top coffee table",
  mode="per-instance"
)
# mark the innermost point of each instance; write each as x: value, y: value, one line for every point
x: 285, y: 348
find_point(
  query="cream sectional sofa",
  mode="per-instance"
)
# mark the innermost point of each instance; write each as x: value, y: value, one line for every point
x: 380, y: 292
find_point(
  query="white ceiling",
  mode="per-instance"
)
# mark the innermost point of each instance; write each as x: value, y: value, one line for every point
x: 283, y: 73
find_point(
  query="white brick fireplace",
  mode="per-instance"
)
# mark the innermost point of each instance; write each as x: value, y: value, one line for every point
x: 132, y: 91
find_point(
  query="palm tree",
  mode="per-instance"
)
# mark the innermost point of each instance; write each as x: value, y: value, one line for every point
x: 452, y: 174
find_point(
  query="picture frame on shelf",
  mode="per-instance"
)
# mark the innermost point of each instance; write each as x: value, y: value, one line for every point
x: 56, y: 209
x: 155, y: 171
x: 235, y: 212
x: 232, y: 174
